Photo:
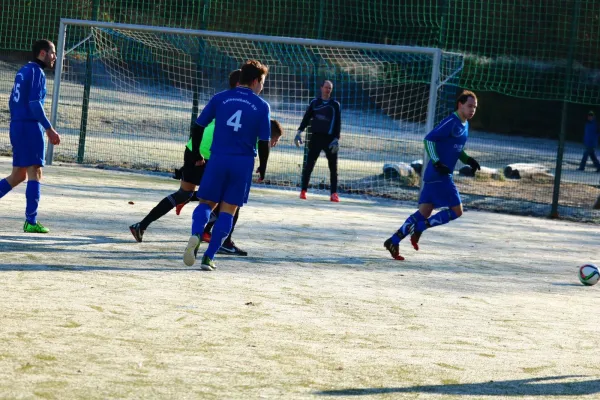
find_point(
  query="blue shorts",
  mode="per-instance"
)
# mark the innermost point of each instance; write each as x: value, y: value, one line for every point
x: 440, y: 194
x: 227, y: 178
x: 28, y: 143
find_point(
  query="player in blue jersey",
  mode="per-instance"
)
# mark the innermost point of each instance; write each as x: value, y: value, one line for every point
x: 228, y: 246
x: 28, y: 128
x: 445, y: 146
x: 241, y: 119
x: 190, y: 174
x: 324, y: 115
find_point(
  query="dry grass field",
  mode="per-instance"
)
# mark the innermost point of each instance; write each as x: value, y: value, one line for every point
x: 489, y: 308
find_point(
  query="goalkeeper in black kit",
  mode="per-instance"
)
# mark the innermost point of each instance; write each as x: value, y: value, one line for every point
x: 325, y: 119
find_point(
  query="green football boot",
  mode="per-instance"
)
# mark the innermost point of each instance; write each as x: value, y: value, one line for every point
x: 207, y: 264
x: 35, y: 228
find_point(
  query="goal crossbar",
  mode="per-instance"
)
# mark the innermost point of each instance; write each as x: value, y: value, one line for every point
x: 435, y: 53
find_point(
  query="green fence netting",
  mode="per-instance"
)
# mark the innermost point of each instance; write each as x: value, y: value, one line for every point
x: 524, y: 57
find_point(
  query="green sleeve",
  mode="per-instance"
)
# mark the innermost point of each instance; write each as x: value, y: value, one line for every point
x: 207, y: 139
x: 463, y: 157
x: 430, y: 149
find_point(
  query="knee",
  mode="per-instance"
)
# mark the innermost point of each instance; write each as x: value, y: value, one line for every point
x: 458, y: 212
x: 426, y: 214
x: 181, y: 196
x: 17, y: 177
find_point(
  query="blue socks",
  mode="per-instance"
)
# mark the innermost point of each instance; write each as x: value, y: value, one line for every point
x: 417, y: 222
x: 200, y: 218
x: 407, y: 227
x: 219, y: 233
x: 32, y: 194
x: 4, y: 187
x: 441, y: 218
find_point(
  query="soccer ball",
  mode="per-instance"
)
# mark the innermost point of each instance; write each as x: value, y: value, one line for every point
x: 589, y: 274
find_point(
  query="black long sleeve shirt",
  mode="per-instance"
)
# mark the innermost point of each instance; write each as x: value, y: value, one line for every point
x: 325, y: 117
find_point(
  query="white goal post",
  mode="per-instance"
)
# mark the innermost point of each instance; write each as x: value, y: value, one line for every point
x: 114, y: 82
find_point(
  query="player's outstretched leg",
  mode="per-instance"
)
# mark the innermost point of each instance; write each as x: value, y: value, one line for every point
x: 406, y: 229
x: 441, y: 218
x: 163, y: 207
x: 191, y: 250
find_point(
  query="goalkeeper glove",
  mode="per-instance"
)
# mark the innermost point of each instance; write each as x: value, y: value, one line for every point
x: 441, y: 168
x: 334, y: 146
x: 298, y: 139
x: 473, y: 164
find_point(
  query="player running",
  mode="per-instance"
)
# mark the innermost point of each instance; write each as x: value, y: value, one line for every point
x: 28, y: 123
x: 445, y: 146
x: 241, y: 118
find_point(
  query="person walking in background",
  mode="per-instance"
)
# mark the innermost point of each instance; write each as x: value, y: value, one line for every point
x: 28, y: 124
x: 590, y: 141
x: 324, y: 115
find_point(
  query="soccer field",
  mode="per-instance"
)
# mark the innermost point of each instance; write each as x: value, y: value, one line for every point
x: 489, y: 308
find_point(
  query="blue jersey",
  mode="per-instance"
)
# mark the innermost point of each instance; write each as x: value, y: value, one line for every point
x: 28, y: 95
x: 449, y: 138
x: 590, y: 137
x: 241, y: 118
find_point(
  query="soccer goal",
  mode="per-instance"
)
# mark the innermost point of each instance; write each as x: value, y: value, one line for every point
x: 125, y: 95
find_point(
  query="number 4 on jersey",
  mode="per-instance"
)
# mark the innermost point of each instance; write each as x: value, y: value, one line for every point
x: 234, y: 120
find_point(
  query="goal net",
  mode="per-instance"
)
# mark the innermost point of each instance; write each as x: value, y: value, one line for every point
x: 126, y: 95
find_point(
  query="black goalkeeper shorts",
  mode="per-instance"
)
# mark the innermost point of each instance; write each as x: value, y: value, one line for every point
x: 190, y: 172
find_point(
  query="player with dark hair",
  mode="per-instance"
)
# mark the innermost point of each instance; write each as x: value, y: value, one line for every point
x: 445, y: 146
x: 191, y: 172
x: 241, y: 119
x: 28, y: 123
x: 325, y: 117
